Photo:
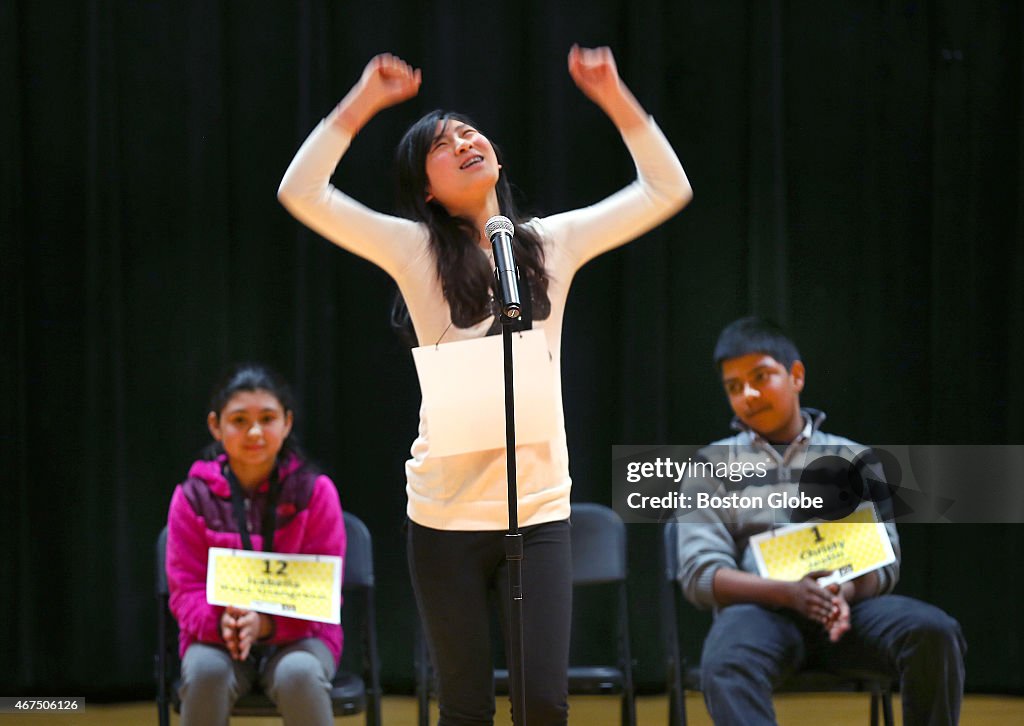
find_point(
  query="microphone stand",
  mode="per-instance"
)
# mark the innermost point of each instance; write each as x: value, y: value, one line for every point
x: 500, y: 230
x: 513, y: 539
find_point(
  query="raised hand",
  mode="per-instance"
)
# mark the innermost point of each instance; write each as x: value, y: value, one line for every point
x: 386, y: 80
x: 595, y: 73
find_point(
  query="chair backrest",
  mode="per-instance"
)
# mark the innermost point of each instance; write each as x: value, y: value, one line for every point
x: 358, y: 555
x: 161, y: 563
x: 675, y: 607
x: 670, y: 593
x: 598, y: 544
x: 671, y: 556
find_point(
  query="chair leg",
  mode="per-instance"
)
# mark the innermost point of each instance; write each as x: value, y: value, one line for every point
x: 676, y: 697
x: 887, y: 708
x: 372, y: 663
x: 423, y: 677
x: 667, y: 595
x: 874, y: 705
x: 163, y: 713
x: 626, y: 660
x: 628, y: 707
x: 422, y: 707
x: 373, y: 708
x: 162, y: 699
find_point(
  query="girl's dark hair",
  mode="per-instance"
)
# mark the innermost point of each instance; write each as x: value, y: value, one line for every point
x: 252, y: 377
x: 466, y: 278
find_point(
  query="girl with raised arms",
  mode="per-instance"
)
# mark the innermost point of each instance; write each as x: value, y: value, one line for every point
x: 451, y: 181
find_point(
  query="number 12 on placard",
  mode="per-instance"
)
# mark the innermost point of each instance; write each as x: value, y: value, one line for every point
x: 281, y: 567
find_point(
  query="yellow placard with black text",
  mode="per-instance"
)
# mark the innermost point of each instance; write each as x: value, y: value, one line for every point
x: 849, y: 547
x: 298, y: 586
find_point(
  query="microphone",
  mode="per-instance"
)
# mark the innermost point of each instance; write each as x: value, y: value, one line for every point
x: 499, y: 231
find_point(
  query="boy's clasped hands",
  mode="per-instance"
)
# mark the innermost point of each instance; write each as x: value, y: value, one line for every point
x: 827, y: 605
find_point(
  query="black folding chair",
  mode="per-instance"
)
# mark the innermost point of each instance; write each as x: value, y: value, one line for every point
x: 598, y: 538
x: 351, y: 692
x: 681, y: 677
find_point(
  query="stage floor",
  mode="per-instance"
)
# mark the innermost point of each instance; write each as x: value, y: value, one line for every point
x: 792, y: 709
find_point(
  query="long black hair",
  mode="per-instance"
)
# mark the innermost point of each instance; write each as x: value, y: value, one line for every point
x: 253, y: 377
x: 466, y: 278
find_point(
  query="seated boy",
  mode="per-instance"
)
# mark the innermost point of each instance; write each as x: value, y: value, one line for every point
x: 765, y: 629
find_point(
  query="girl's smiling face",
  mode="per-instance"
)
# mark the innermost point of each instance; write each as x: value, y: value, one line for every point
x: 252, y: 428
x: 461, y: 167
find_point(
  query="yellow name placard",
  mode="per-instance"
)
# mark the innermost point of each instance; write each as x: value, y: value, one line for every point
x: 299, y: 586
x: 850, y: 547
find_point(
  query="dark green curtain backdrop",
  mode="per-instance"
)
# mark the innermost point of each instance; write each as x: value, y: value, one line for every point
x: 859, y: 174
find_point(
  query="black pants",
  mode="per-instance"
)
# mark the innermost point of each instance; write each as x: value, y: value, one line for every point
x: 452, y: 574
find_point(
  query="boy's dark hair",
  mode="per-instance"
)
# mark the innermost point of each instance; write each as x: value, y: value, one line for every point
x: 755, y: 335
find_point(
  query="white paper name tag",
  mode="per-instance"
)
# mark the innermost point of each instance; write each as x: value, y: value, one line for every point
x: 464, y: 394
x: 299, y: 586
